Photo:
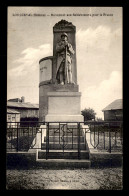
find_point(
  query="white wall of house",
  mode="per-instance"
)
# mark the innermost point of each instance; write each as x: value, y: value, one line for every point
x: 13, y: 118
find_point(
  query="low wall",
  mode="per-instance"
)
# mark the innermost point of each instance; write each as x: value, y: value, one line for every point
x: 23, y: 160
x: 26, y: 160
x: 105, y: 159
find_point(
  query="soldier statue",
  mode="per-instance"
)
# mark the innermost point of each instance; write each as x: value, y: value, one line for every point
x: 64, y: 60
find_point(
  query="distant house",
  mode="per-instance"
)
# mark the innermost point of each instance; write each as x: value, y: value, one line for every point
x: 114, y: 111
x: 13, y: 116
x: 27, y: 110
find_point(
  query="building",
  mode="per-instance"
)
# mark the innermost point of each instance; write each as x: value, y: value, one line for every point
x: 13, y: 116
x: 28, y: 111
x: 114, y: 111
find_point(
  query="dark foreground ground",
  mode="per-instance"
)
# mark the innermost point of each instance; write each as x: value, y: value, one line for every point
x: 76, y: 179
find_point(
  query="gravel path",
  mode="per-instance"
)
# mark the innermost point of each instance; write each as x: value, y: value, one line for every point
x: 78, y: 179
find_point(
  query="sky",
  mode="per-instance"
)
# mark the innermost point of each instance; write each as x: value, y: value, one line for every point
x: 98, y: 51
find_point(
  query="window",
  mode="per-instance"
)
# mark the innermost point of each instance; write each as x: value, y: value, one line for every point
x: 13, y: 119
x: 9, y: 117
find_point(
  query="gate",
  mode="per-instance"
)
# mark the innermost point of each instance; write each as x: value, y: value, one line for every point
x: 62, y: 137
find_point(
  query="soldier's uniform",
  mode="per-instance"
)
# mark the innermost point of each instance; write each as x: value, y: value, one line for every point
x: 60, y: 49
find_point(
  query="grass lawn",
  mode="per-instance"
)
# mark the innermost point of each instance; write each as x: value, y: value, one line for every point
x: 24, y: 143
x: 102, y: 137
x: 102, y: 141
x: 25, y: 138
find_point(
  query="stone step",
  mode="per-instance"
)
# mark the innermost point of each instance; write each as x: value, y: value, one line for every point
x: 60, y: 146
x: 71, y: 139
x: 59, y: 154
x: 70, y: 132
x: 63, y: 163
x: 57, y: 125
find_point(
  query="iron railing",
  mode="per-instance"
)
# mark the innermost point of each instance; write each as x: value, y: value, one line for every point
x: 63, y: 136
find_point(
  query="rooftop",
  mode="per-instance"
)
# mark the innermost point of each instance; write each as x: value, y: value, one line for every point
x: 11, y: 111
x: 115, y: 105
x: 22, y: 105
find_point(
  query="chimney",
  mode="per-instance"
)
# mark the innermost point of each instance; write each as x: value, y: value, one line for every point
x: 22, y: 99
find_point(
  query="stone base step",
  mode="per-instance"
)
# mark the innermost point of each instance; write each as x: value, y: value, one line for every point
x: 59, y: 154
x: 63, y: 163
x: 59, y: 125
x: 68, y: 132
x: 67, y: 146
x: 66, y: 138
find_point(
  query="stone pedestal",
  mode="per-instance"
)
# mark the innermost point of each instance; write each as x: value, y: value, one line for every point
x: 64, y: 107
x: 64, y: 118
x: 45, y: 88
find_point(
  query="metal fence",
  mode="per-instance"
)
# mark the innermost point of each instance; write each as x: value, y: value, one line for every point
x: 104, y: 136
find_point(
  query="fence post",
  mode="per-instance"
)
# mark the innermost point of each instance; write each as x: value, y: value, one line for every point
x: 17, y: 138
x: 41, y: 136
x: 63, y: 130
x: 104, y: 139
x: 78, y: 140
x: 121, y: 134
x: 121, y: 131
x: 47, y: 141
x: 94, y: 134
x: 109, y: 139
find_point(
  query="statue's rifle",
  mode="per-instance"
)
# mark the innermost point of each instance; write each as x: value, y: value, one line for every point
x: 66, y: 65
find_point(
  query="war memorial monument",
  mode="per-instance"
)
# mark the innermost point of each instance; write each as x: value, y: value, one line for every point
x: 59, y: 96
x: 61, y: 138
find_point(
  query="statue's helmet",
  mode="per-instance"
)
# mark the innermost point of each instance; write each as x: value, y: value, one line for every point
x: 64, y: 34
